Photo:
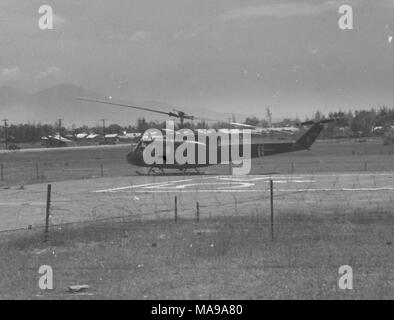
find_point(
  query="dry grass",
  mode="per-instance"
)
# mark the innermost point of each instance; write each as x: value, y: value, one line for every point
x: 221, y: 258
x: 57, y: 165
x: 226, y: 257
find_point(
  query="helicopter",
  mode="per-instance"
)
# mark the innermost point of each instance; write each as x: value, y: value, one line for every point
x: 260, y: 130
x: 202, y: 145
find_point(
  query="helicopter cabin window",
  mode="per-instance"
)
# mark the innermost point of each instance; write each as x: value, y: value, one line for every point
x: 144, y: 144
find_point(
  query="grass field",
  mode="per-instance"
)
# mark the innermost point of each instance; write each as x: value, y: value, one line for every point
x: 230, y: 258
x: 65, y: 164
x: 108, y: 245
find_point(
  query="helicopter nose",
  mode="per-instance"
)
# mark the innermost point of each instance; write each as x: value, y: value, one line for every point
x: 131, y: 158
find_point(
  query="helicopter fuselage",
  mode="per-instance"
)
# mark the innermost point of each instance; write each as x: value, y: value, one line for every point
x: 203, y: 153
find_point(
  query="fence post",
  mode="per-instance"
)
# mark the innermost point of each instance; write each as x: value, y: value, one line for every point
x: 48, y: 211
x: 102, y: 169
x: 272, y: 208
x: 176, y: 209
x: 37, y: 171
x: 2, y: 172
x: 365, y: 166
x: 198, y: 211
x: 292, y: 167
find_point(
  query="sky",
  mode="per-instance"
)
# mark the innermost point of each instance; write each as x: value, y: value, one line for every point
x: 238, y: 56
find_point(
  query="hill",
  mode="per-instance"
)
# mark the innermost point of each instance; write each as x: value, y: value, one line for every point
x: 48, y: 105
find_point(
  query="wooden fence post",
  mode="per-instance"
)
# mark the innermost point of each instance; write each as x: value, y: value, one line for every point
x: 176, y: 209
x: 198, y: 211
x: 2, y: 172
x: 272, y: 208
x: 102, y: 169
x: 48, y: 212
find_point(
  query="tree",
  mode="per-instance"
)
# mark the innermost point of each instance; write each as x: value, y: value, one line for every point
x: 363, y: 122
x: 114, y: 128
x: 269, y: 116
x: 252, y: 121
x: 142, y: 125
x: 318, y: 116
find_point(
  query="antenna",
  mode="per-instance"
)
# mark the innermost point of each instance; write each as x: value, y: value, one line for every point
x: 5, y: 133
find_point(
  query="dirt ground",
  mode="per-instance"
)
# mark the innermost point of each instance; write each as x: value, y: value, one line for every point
x: 118, y: 234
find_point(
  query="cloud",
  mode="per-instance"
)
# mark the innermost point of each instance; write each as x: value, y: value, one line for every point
x: 58, y: 21
x: 183, y: 34
x: 12, y: 74
x: 49, y: 72
x: 15, y: 74
x: 282, y: 10
x: 139, y: 36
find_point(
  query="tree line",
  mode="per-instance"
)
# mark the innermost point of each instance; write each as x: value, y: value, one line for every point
x: 360, y: 123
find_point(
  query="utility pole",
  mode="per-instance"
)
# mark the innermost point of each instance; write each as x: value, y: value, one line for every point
x: 60, y: 129
x: 103, y: 120
x: 5, y: 134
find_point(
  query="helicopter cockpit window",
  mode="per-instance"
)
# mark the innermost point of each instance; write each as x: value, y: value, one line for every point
x: 144, y: 144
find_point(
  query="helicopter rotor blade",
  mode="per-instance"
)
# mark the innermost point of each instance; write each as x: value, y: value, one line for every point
x: 179, y: 111
x: 176, y: 114
x: 191, y: 117
x: 128, y: 106
x: 244, y: 125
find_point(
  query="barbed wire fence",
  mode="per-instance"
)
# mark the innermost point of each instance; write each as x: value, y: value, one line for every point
x: 211, y: 222
x: 303, y: 206
x: 215, y: 221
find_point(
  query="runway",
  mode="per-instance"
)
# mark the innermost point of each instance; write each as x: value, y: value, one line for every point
x: 60, y: 149
x: 152, y: 197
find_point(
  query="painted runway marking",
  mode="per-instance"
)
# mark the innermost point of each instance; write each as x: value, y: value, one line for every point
x: 184, y: 186
x: 222, y: 184
x: 140, y: 186
x: 229, y: 183
x: 267, y: 190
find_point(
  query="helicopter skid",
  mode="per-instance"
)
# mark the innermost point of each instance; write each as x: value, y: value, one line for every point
x: 153, y: 172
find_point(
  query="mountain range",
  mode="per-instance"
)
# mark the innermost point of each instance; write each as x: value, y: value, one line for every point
x: 58, y: 102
